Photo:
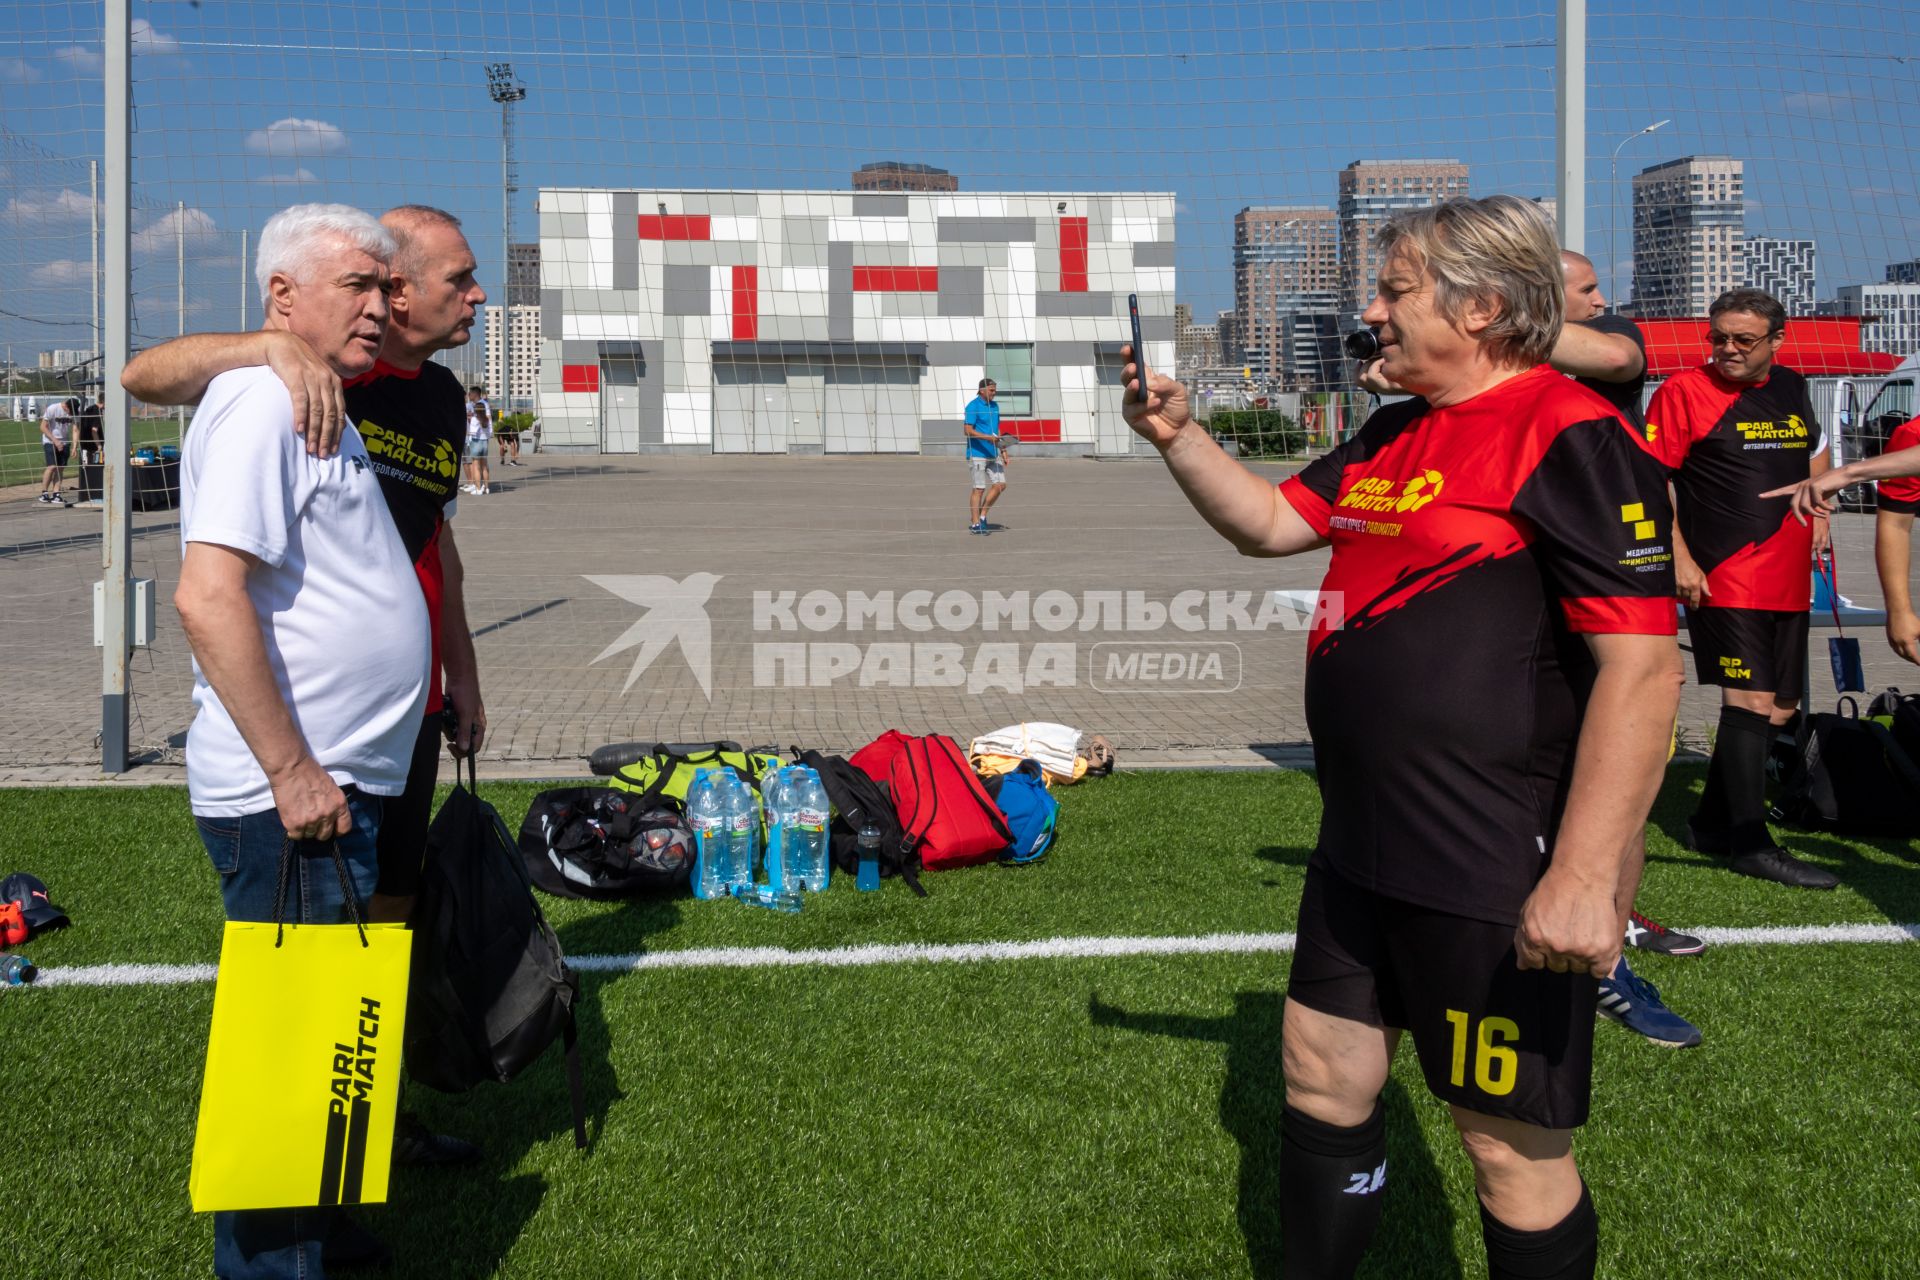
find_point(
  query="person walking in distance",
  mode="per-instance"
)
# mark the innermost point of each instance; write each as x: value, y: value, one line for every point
x: 479, y: 429
x: 986, y: 456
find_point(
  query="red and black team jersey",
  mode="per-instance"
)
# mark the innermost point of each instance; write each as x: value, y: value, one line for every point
x: 1901, y: 493
x: 1728, y: 443
x: 413, y: 421
x: 1472, y: 547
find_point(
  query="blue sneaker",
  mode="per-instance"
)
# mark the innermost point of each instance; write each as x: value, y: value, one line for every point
x: 1632, y: 1001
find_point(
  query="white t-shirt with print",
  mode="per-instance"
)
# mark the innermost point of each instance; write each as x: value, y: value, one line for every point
x: 58, y: 421
x: 479, y: 420
x: 336, y: 597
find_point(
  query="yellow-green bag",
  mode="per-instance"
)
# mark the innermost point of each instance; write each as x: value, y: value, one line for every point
x: 667, y: 769
x: 303, y: 1066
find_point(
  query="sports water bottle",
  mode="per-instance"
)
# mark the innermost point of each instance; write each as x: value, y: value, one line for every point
x: 868, y: 877
x: 705, y: 816
x: 777, y: 800
x: 743, y: 830
x: 806, y: 832
x: 17, y: 971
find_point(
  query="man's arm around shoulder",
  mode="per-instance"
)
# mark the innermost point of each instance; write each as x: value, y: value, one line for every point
x: 1583, y: 351
x: 179, y: 372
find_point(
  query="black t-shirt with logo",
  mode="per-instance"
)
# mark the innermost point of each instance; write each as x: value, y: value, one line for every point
x: 1473, y: 546
x: 1624, y: 396
x: 412, y: 422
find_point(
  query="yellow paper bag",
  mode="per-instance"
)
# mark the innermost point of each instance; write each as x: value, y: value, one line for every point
x: 303, y: 1067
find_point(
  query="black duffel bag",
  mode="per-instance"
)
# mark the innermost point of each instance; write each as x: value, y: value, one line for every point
x: 602, y: 842
x: 1850, y: 775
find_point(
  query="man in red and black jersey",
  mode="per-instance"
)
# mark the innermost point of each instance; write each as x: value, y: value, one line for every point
x: 1732, y: 430
x: 1490, y: 717
x: 1897, y: 468
x: 410, y: 412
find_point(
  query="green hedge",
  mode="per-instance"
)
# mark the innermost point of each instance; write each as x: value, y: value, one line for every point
x: 1260, y: 433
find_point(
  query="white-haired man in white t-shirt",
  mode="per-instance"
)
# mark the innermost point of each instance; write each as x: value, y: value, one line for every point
x: 309, y: 636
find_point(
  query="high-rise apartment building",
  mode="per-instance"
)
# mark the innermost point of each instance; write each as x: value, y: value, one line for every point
x: 1904, y: 272
x: 1286, y: 260
x: 1784, y: 268
x: 1689, y: 233
x: 1891, y: 313
x: 1195, y: 346
x: 1227, y: 325
x: 899, y: 175
x: 518, y: 390
x: 1372, y: 191
x: 523, y: 275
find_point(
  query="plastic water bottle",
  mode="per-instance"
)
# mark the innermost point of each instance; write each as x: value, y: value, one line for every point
x: 743, y: 829
x: 806, y: 833
x: 868, y: 844
x: 760, y: 895
x: 17, y: 971
x: 711, y: 846
x: 777, y: 799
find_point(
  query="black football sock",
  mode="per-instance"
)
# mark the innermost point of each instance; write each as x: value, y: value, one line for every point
x: 1332, y: 1180
x: 1740, y: 758
x: 1567, y: 1250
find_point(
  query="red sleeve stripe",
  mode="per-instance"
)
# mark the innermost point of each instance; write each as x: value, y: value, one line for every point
x: 1622, y: 615
x: 1313, y: 508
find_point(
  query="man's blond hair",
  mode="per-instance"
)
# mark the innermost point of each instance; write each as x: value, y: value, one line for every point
x: 1499, y: 251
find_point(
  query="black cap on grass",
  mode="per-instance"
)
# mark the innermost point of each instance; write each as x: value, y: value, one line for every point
x: 35, y: 906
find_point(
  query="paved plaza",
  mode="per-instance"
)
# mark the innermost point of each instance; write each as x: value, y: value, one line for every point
x: 602, y: 590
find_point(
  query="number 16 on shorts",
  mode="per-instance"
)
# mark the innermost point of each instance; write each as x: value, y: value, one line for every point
x: 1495, y: 1066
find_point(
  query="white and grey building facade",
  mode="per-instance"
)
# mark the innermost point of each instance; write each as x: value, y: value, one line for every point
x: 1784, y: 268
x: 841, y: 321
x: 1891, y: 313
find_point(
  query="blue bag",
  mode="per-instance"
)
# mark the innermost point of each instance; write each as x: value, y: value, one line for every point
x: 1023, y: 800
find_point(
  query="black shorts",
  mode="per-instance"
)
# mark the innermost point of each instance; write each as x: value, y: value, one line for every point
x: 1491, y: 1038
x: 404, y: 818
x: 1764, y: 649
x: 55, y: 454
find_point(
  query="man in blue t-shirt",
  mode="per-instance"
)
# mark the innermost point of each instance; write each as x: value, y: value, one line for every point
x: 986, y: 455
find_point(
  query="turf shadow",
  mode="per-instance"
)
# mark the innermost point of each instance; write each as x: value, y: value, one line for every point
x: 456, y: 1222
x: 1414, y: 1238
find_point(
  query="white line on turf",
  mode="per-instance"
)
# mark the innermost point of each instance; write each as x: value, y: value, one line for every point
x: 148, y: 975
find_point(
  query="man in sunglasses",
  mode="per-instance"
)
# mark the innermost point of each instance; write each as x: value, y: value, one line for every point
x: 1731, y: 430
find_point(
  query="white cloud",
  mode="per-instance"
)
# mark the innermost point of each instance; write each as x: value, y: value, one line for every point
x: 148, y: 40
x: 159, y: 235
x: 61, y: 271
x: 58, y: 207
x: 1816, y: 104
x: 298, y: 178
x: 295, y: 137
x: 142, y: 35
x: 18, y: 70
x: 88, y: 62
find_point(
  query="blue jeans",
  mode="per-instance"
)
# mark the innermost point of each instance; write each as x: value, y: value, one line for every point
x: 284, y: 1244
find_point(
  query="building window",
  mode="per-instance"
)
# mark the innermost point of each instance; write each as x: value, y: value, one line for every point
x: 1010, y: 365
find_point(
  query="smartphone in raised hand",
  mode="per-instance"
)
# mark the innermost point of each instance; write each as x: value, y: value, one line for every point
x: 1139, y: 347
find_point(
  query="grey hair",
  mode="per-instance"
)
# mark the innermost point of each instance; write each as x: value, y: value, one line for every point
x: 1499, y: 250
x: 404, y: 222
x: 294, y: 237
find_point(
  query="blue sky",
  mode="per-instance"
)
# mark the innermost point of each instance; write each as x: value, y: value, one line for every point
x: 245, y: 107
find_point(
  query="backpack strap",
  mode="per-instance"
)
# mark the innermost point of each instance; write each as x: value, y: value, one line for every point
x: 576, y: 1087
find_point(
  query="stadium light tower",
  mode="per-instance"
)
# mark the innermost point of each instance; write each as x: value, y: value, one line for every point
x: 505, y: 88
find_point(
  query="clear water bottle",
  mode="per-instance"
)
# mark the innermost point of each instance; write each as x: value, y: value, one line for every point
x: 867, y: 878
x: 705, y: 816
x: 17, y: 971
x: 743, y: 829
x: 777, y: 800
x: 806, y: 832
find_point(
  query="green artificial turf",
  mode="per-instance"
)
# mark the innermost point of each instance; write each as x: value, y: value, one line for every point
x: 1048, y: 1117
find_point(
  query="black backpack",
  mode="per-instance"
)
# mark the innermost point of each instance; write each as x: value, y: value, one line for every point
x: 856, y: 799
x: 1850, y: 775
x: 489, y: 989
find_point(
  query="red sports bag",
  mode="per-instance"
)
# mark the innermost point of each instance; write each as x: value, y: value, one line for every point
x: 947, y: 816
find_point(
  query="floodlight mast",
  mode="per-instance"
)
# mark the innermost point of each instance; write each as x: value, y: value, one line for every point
x: 505, y: 88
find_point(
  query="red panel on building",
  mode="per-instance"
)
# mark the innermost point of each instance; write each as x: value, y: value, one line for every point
x: 746, y: 304
x: 896, y: 279
x: 1032, y: 430
x: 1073, y: 255
x: 1827, y: 347
x: 579, y: 377
x: 675, y: 226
